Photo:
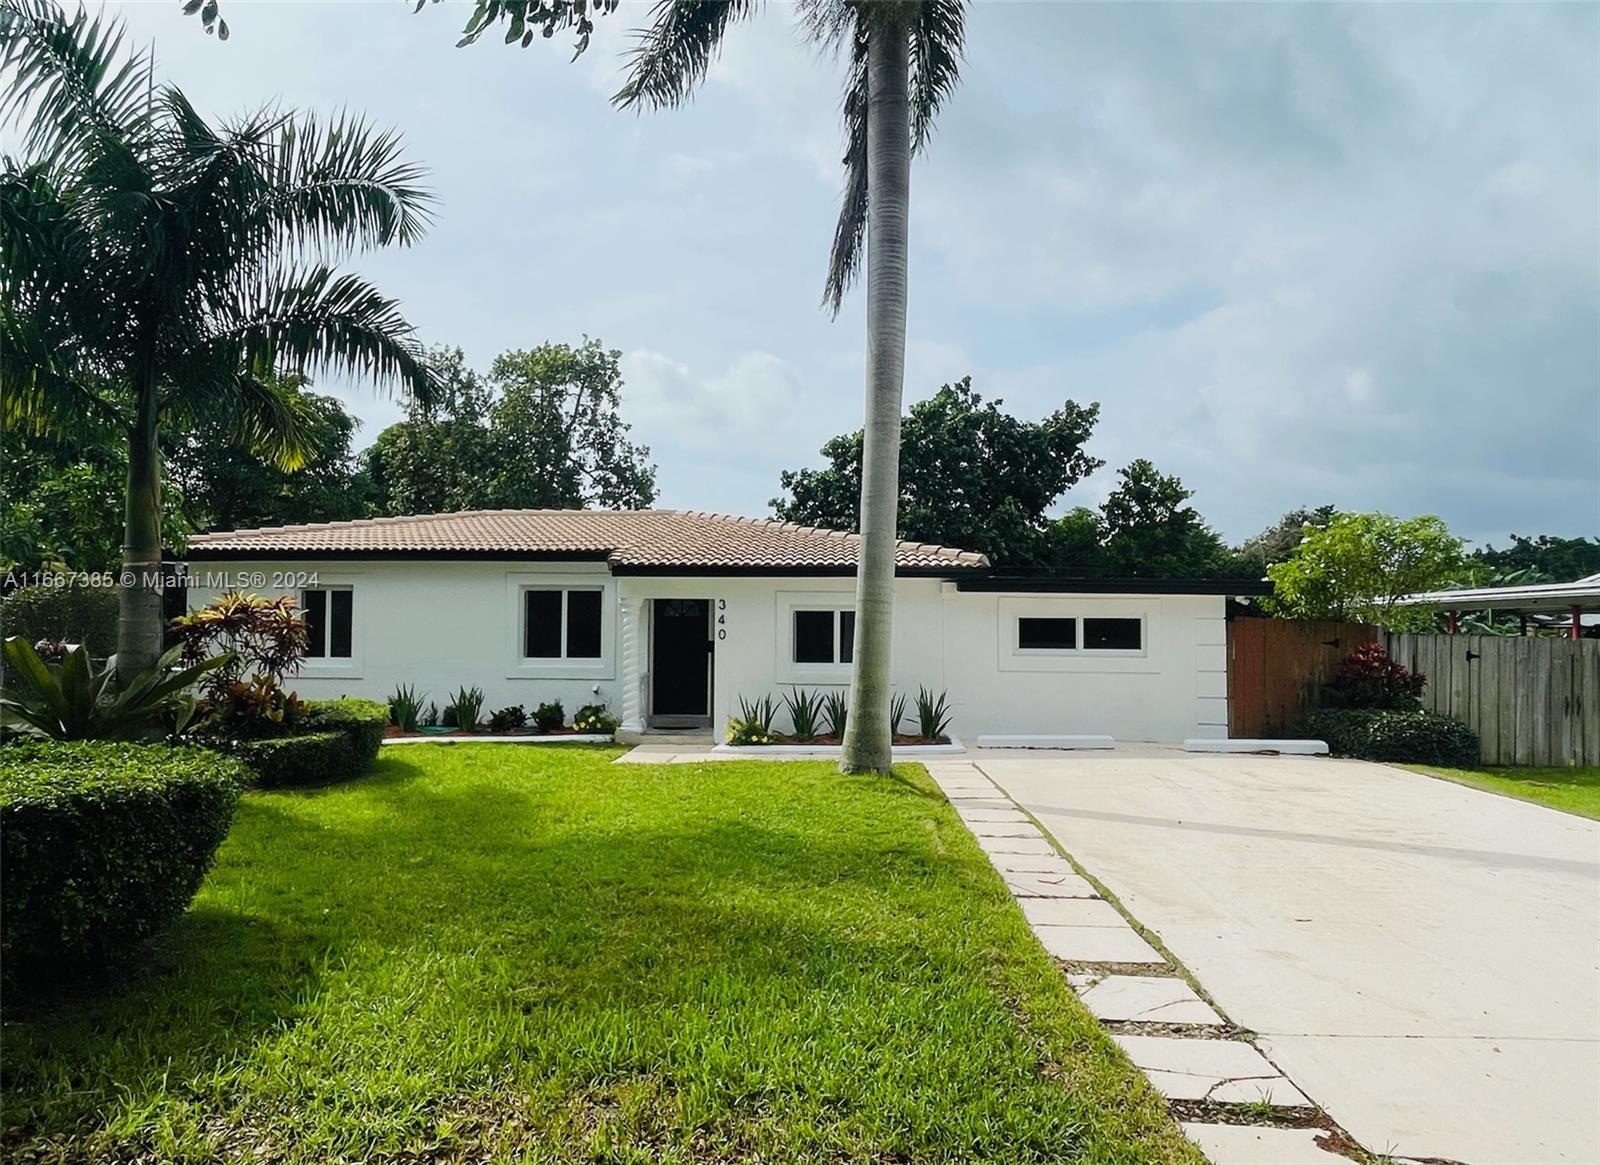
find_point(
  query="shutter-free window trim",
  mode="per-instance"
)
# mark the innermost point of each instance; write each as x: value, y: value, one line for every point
x: 563, y: 623
x: 329, y: 614
x: 822, y: 636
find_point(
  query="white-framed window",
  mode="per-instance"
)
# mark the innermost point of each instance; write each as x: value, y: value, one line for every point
x: 1038, y: 634
x: 563, y: 623
x: 329, y: 614
x: 822, y: 635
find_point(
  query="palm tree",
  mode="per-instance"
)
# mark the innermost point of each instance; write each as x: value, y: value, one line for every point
x: 156, y: 269
x: 904, y: 60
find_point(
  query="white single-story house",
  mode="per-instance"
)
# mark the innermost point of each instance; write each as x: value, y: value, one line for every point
x: 669, y: 617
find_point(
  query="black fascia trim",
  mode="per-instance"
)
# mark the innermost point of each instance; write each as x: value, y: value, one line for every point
x: 1052, y: 584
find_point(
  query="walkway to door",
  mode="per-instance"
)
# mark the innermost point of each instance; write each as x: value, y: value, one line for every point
x: 1419, y: 958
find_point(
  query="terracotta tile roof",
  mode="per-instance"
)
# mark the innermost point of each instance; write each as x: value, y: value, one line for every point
x: 627, y: 539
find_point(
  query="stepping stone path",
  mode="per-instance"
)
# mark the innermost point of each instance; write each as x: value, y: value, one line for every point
x: 1078, y: 926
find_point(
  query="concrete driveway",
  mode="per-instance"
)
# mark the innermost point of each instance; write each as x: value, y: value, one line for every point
x: 1421, y: 959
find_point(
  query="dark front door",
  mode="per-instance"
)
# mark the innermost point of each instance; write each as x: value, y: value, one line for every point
x: 680, y: 687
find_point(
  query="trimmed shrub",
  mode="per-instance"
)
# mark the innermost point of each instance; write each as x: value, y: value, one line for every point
x: 362, y: 721
x: 104, y: 844
x: 506, y: 719
x: 1407, y: 736
x: 549, y: 716
x: 308, y: 758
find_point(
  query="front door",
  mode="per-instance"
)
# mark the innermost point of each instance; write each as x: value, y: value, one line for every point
x: 680, y: 667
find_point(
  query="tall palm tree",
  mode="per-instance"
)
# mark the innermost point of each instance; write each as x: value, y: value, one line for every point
x: 157, y: 269
x: 904, y: 60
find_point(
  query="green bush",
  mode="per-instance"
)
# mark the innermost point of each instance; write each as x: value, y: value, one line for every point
x: 84, y: 615
x: 594, y: 718
x: 104, y: 843
x: 362, y: 721
x: 334, y: 740
x: 1407, y: 736
x: 549, y: 716
x: 307, y: 758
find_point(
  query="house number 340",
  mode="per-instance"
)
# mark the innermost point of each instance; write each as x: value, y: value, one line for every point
x: 722, y: 618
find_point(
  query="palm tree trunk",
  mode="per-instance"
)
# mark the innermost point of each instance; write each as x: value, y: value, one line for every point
x: 139, y: 611
x: 867, y: 743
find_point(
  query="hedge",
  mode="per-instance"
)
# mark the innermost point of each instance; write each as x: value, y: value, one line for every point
x: 104, y: 844
x: 333, y: 740
x: 1405, y: 736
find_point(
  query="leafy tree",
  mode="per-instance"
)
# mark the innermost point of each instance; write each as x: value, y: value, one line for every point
x: 438, y: 459
x: 544, y: 429
x: 1277, y: 541
x: 1556, y: 559
x: 557, y: 435
x: 157, y: 270
x: 224, y: 487
x: 1149, y: 530
x: 1358, y: 567
x: 971, y: 475
x: 59, y: 503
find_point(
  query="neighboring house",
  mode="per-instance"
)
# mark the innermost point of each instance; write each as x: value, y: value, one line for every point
x: 670, y: 616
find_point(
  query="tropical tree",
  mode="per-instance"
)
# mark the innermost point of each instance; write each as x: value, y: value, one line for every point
x: 903, y: 62
x: 157, y: 268
x: 1359, y: 566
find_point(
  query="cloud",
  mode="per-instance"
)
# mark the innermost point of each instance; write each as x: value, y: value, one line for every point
x: 1300, y: 253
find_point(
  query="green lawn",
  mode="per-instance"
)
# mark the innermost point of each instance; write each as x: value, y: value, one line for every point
x: 1573, y: 789
x: 530, y: 954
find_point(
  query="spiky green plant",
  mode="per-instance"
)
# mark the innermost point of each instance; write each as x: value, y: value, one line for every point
x: 836, y: 711
x: 805, y: 712
x: 933, y: 715
x: 897, y: 712
x: 405, y: 707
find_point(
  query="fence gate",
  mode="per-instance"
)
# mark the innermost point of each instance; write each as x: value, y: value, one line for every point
x: 1532, y: 700
x: 1275, y: 668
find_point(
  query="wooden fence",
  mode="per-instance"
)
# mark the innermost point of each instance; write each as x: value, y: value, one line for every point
x: 1276, y: 668
x: 1532, y: 700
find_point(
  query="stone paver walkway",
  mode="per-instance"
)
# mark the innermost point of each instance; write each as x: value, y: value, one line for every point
x: 1079, y: 927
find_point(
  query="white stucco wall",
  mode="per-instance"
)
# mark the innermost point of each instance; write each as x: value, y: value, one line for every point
x: 444, y: 624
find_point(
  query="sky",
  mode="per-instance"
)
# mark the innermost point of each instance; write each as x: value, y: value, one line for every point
x: 1300, y: 254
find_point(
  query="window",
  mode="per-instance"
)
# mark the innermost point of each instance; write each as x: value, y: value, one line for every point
x: 329, y: 616
x: 1113, y: 634
x: 824, y: 636
x: 561, y: 624
x: 1047, y: 634
x: 1074, y: 633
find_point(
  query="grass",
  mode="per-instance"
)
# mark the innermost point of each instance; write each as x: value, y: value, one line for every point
x: 480, y: 954
x: 1572, y: 789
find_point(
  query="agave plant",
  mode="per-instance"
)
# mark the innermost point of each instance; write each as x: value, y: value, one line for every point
x: 74, y: 700
x: 897, y: 712
x: 405, y: 706
x: 835, y: 710
x: 933, y: 714
x: 805, y: 712
x: 758, y: 713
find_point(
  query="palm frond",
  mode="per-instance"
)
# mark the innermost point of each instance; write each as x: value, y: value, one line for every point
x: 344, y: 185
x: 937, y: 42
x: 264, y: 415
x: 66, y: 76
x: 314, y: 321
x: 672, y: 55
x: 844, y: 258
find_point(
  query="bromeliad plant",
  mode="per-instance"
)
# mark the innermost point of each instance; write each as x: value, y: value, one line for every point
x: 805, y: 713
x: 74, y: 700
x: 933, y: 715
